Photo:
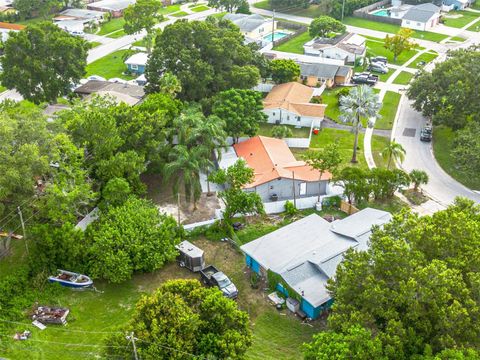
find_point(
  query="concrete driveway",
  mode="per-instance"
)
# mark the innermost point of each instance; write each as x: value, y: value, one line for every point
x: 442, y: 188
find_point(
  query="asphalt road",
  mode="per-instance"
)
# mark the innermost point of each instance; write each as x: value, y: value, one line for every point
x: 441, y: 187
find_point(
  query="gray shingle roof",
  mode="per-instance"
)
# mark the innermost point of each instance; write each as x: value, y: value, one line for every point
x: 246, y: 23
x: 421, y: 13
x: 325, y: 71
x: 306, y: 253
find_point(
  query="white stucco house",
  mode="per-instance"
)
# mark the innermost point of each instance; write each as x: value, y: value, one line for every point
x: 254, y: 27
x: 289, y: 104
x: 421, y: 17
x: 347, y: 47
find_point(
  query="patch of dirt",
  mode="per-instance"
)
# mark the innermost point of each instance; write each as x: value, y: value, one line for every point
x: 161, y: 193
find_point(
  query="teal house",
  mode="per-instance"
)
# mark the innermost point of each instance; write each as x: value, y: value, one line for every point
x: 302, y: 256
x: 137, y: 62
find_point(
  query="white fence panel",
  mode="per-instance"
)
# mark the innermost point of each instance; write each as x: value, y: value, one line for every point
x: 264, y: 87
x: 189, y: 227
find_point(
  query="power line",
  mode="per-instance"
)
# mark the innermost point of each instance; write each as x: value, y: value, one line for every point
x: 70, y: 344
x: 62, y: 329
x: 14, y: 210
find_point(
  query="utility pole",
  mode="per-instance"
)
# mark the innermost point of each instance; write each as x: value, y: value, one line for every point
x: 132, y: 338
x: 23, y: 227
x: 273, y: 28
x: 294, y: 195
x: 343, y: 8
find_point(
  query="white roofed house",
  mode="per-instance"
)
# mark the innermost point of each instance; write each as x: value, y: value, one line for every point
x: 305, y: 254
x: 347, y: 47
x: 114, y: 7
x: 76, y: 20
x: 421, y: 17
x: 254, y: 27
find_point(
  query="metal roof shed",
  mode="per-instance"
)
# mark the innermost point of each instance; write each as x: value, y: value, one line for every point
x: 190, y: 256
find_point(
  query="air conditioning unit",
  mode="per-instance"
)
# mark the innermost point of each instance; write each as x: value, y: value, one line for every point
x: 293, y: 305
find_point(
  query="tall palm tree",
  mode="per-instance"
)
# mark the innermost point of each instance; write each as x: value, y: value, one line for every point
x: 360, y: 103
x: 184, y: 167
x: 393, y: 151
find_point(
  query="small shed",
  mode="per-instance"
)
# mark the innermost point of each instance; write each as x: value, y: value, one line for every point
x: 190, y: 256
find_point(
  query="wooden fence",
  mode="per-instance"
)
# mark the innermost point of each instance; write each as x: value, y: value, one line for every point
x: 348, y: 208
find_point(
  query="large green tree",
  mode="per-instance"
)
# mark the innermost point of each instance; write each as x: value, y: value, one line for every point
x: 183, y: 320
x: 206, y: 56
x: 43, y: 62
x: 29, y: 8
x: 324, y: 26
x: 241, y: 110
x: 360, y: 103
x: 466, y: 148
x: 133, y: 237
x: 416, y: 287
x: 143, y: 15
x: 284, y: 70
x: 448, y: 93
x: 229, y: 5
x: 235, y: 199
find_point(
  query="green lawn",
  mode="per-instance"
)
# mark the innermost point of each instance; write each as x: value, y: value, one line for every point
x: 385, y: 77
x: 111, y: 26
x: 139, y: 43
x: 266, y: 130
x: 109, y: 66
x: 169, y: 9
x: 460, y: 39
x: 388, y: 110
x: 391, y: 28
x: 312, y: 11
x: 345, y: 140
x: 276, y: 334
x: 329, y: 97
x: 117, y: 34
x: 219, y: 15
x: 35, y: 20
x: 425, y: 57
x: 95, y: 44
x: 179, y: 14
x: 443, y: 138
x: 2, y: 88
x: 200, y: 8
x: 375, y: 48
x: 474, y: 27
x: 403, y: 78
x: 295, y: 44
x: 465, y: 18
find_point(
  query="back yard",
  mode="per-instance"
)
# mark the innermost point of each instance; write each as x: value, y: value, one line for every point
x: 110, y: 66
x: 277, y: 334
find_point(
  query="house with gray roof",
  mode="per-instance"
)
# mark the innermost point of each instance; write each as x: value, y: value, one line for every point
x: 347, y: 47
x: 305, y: 254
x: 314, y: 74
x: 114, y: 7
x: 421, y: 17
x: 254, y: 27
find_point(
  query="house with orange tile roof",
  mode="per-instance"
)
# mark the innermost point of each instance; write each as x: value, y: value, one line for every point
x: 277, y: 173
x: 289, y: 104
x: 5, y: 28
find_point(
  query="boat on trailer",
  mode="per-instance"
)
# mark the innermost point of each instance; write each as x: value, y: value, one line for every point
x: 71, y: 279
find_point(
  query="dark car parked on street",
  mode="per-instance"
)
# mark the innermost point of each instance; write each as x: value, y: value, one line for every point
x: 426, y: 134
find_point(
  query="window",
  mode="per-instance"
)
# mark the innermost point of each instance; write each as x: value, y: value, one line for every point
x: 299, y: 118
x: 288, y: 117
x: 134, y: 66
x: 418, y: 24
x: 274, y: 113
x: 408, y: 22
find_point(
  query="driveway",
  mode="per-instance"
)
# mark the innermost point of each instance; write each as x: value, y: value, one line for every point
x: 441, y: 187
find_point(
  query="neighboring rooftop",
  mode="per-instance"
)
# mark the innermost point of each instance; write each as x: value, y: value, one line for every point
x: 272, y: 159
x: 307, y: 252
x: 325, y: 71
x: 8, y: 26
x: 350, y: 42
x: 112, y: 5
x: 246, y: 23
x: 421, y: 13
x: 81, y: 14
x: 140, y: 58
x: 95, y: 86
x: 294, y: 97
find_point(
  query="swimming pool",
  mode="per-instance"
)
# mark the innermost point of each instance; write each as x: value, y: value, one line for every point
x: 382, y: 12
x: 277, y: 35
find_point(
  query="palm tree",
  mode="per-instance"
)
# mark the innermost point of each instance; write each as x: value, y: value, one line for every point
x: 184, y: 167
x: 418, y: 177
x: 360, y: 103
x: 393, y: 151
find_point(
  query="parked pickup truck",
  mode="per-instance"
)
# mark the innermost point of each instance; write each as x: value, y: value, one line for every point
x: 365, y: 78
x: 211, y: 276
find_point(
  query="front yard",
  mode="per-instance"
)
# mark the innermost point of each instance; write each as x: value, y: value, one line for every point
x: 345, y: 140
x: 443, y: 138
x: 388, y: 111
x: 458, y: 19
x: 391, y: 28
x: 111, y: 26
x: 376, y: 48
x: 423, y: 59
x: 110, y: 66
x: 403, y: 78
